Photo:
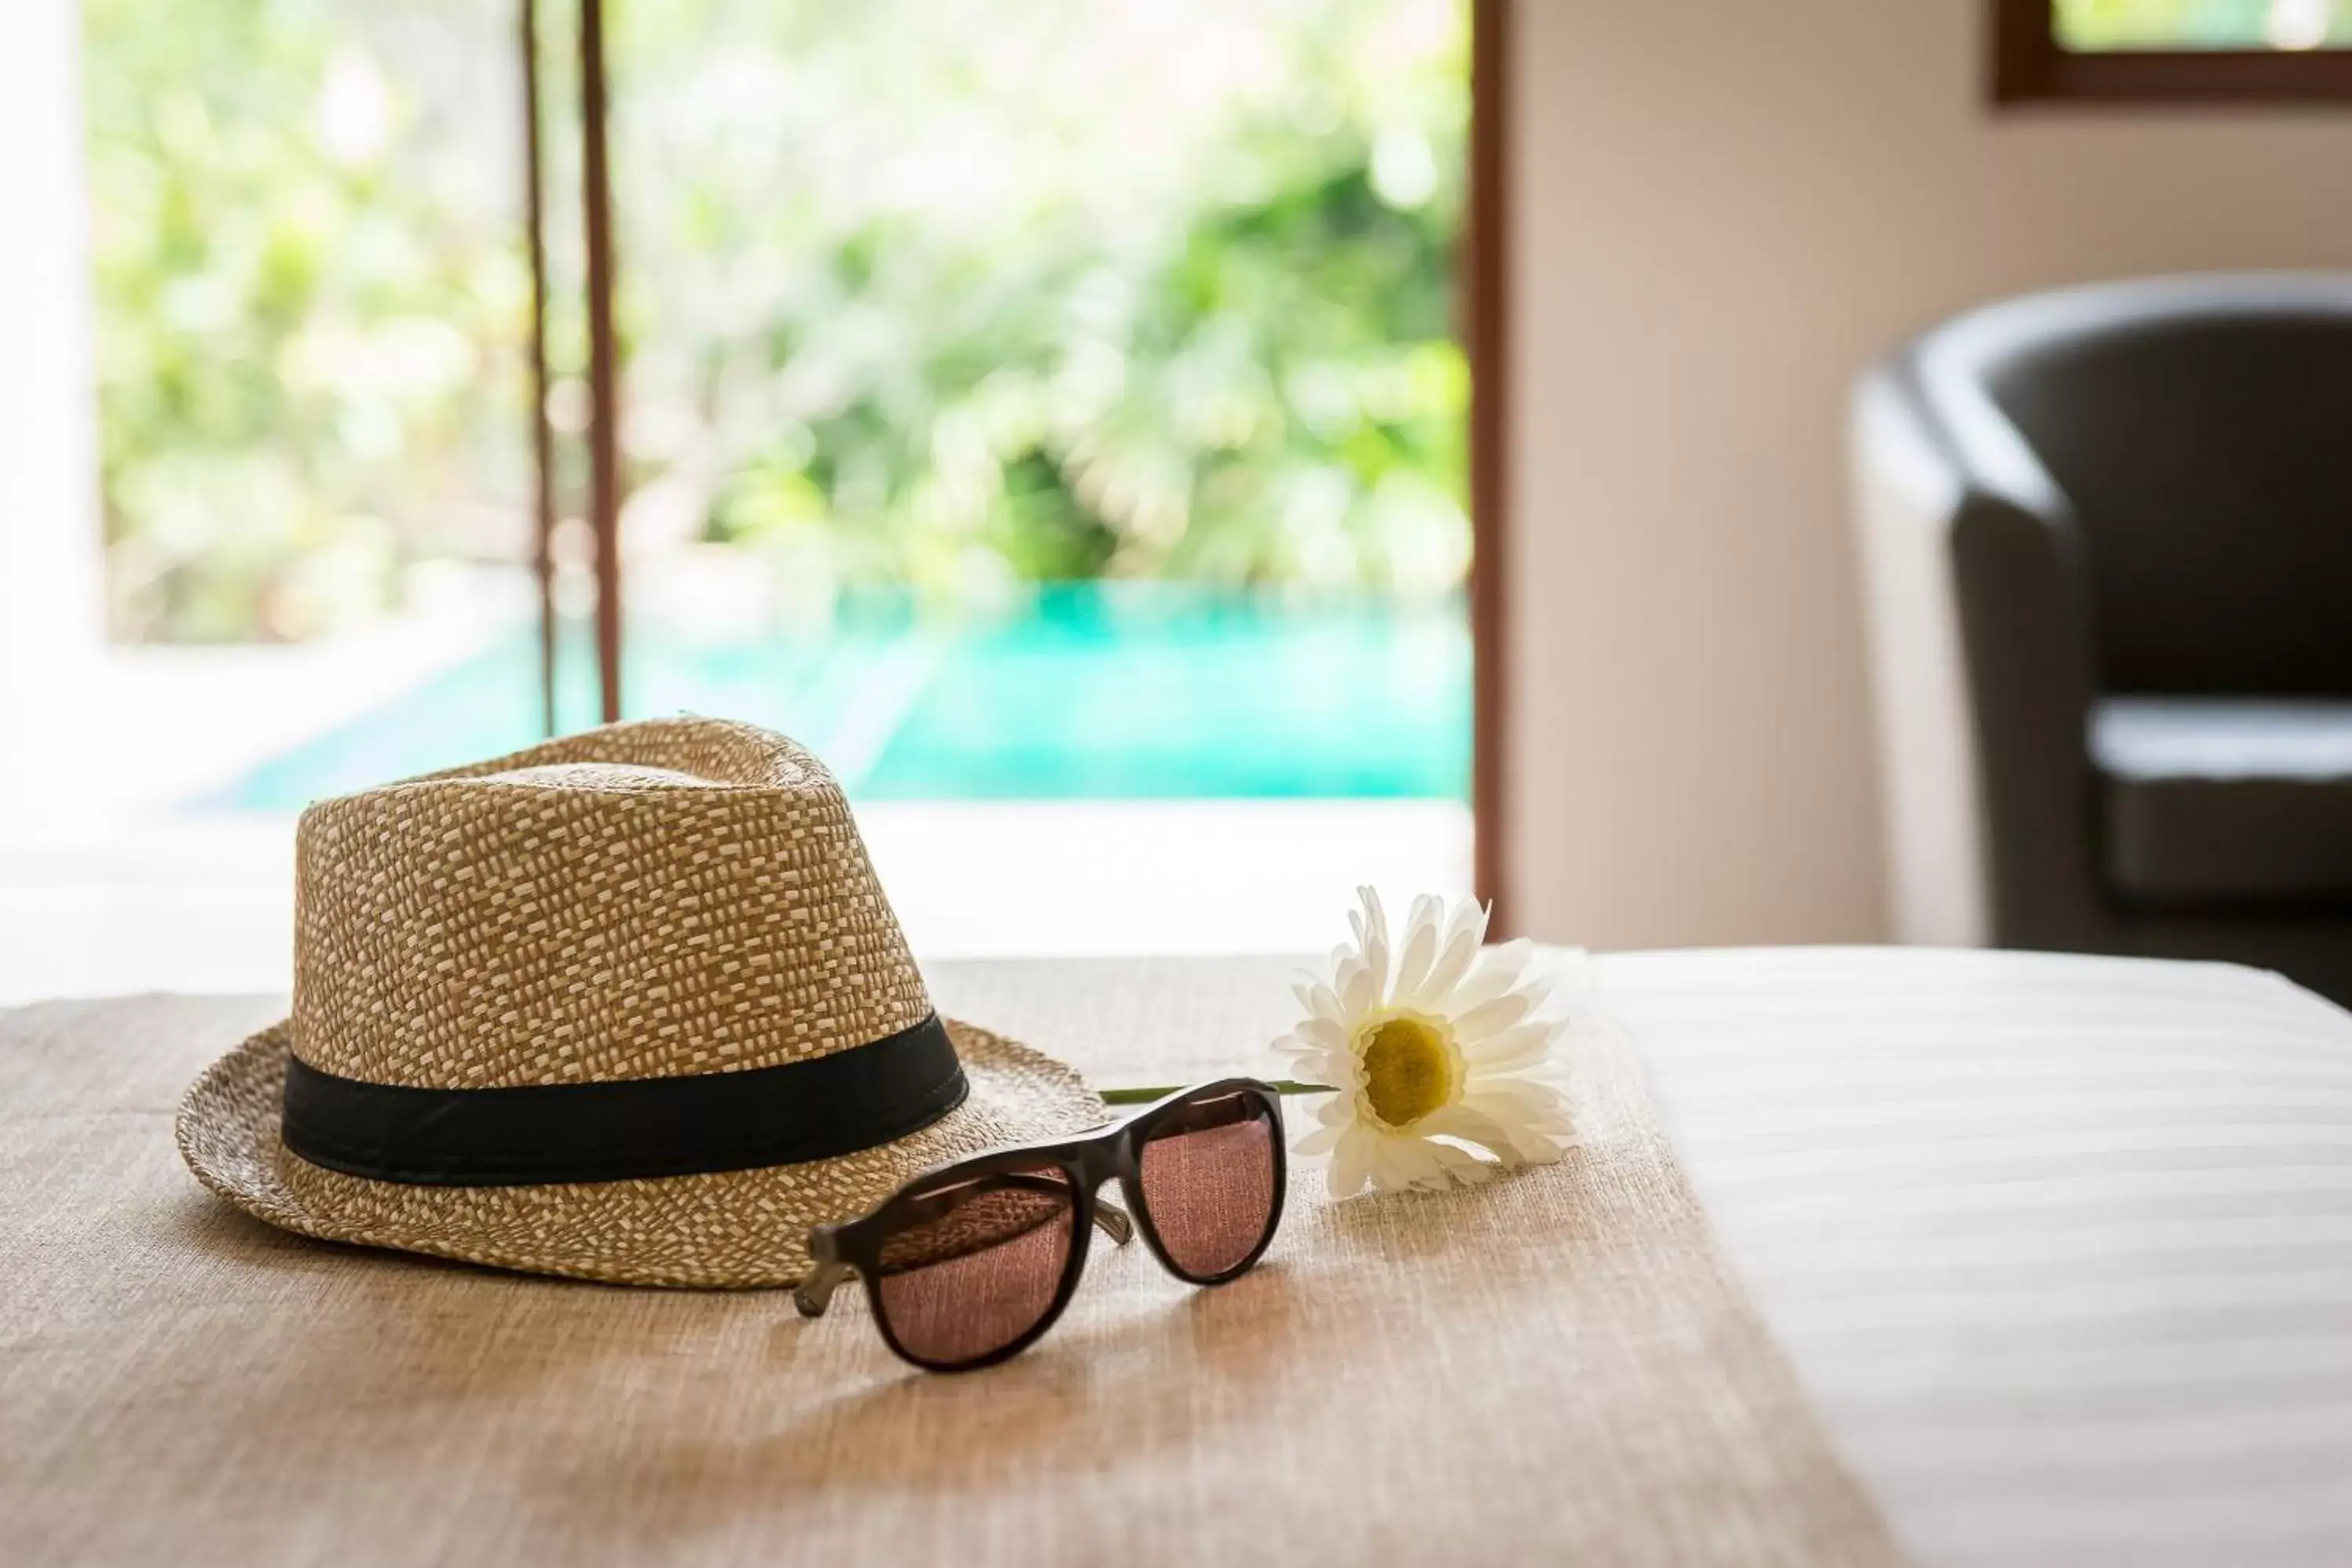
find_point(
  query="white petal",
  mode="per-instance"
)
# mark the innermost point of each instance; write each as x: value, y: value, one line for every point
x: 1307, y: 1067
x: 1491, y: 1017
x: 1323, y: 1032
x: 1313, y: 1068
x: 1516, y: 953
x: 1472, y: 1125
x: 1375, y: 930
x: 1497, y: 971
x: 1324, y: 1003
x: 1327, y: 1068
x: 1512, y: 1141
x: 1321, y: 1139
x: 1512, y: 1050
x: 1461, y: 1165
x: 1345, y: 962
x: 1453, y: 962
x: 1405, y: 1163
x: 1448, y: 1166
x: 1421, y: 932
x: 1428, y: 912
x: 1350, y: 1161
x: 1531, y: 1147
x: 1536, y: 1137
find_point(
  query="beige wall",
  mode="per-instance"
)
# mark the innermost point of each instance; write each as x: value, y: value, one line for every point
x: 1723, y: 213
x: 52, y: 604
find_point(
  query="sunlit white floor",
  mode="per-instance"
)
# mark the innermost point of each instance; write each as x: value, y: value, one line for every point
x: 196, y: 903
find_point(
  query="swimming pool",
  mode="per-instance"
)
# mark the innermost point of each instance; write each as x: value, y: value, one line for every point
x: 1139, y: 690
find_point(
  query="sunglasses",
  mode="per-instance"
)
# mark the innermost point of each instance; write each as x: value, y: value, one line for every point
x: 969, y: 1264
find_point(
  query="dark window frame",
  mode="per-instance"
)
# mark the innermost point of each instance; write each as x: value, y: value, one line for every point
x: 2029, y: 67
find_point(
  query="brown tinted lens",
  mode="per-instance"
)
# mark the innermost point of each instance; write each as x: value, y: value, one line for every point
x: 977, y: 1264
x: 1209, y: 1180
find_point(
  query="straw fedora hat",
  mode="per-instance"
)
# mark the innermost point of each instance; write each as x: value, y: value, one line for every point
x: 627, y: 1007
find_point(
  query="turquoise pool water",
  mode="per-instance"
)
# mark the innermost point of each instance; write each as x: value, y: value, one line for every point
x: 1089, y: 691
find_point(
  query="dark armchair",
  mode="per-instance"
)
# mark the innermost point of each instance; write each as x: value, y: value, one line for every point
x: 2107, y: 546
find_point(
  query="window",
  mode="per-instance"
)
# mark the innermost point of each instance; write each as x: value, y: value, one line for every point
x: 1052, y: 411
x: 2214, y: 50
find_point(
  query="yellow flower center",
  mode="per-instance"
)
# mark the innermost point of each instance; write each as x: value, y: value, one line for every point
x: 1408, y: 1069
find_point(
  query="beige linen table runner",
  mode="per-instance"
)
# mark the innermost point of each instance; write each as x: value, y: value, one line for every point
x: 1554, y: 1368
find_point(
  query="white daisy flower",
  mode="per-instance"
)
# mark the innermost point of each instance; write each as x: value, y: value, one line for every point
x: 1435, y: 1048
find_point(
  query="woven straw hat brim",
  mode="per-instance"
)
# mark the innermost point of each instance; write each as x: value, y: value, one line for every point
x: 735, y: 1230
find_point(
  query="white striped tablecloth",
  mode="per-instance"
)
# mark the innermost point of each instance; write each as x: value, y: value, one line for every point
x: 2060, y: 1246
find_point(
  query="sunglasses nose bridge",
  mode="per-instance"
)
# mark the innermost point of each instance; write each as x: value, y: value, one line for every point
x: 1100, y: 1165
x: 1097, y: 1163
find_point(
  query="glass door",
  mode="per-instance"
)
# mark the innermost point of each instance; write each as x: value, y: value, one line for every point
x: 1049, y: 411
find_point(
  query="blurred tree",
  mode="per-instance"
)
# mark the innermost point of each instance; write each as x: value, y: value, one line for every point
x: 310, y: 301
x: 2202, y: 24
x: 954, y: 293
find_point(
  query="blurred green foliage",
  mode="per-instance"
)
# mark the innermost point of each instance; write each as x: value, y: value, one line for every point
x: 2202, y: 24
x: 960, y: 294
x: 309, y: 297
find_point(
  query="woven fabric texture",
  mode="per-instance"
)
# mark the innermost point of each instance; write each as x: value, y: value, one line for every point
x: 1558, y: 1367
x: 643, y: 900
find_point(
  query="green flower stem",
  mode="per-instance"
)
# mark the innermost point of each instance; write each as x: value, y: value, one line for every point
x: 1145, y: 1096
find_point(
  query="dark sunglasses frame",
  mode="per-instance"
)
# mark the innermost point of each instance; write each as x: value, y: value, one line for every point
x: 1086, y: 1162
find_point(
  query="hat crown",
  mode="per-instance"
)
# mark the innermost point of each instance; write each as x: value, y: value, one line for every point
x: 651, y: 900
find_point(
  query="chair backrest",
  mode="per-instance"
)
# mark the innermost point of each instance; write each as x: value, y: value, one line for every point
x: 2202, y: 430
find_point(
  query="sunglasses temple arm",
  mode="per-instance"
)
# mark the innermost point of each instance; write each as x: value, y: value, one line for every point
x: 812, y: 1294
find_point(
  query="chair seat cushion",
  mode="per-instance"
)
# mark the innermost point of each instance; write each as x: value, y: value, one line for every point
x: 2221, y: 799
